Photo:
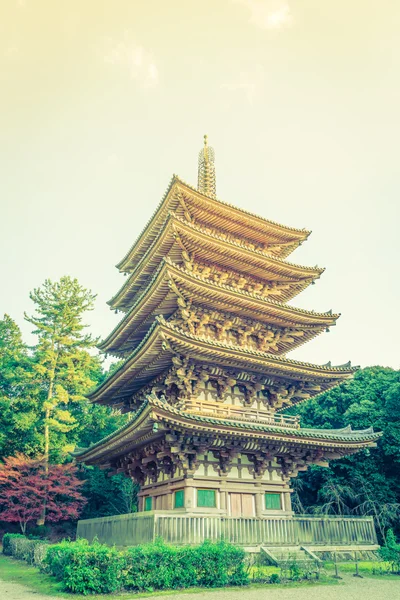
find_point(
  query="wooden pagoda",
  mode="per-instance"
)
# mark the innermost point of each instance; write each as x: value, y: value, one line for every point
x: 205, y: 376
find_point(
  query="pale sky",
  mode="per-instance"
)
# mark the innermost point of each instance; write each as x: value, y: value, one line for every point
x: 102, y: 101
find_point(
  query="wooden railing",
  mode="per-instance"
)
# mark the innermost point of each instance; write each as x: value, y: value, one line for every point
x: 139, y: 528
x: 229, y: 411
x: 299, y: 530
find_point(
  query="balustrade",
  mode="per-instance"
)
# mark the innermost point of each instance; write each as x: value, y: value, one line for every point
x: 229, y: 411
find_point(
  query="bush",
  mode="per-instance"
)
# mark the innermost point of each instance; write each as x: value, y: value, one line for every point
x: 390, y: 552
x: 95, y: 568
x: 159, y: 566
x: 20, y: 547
x: 220, y: 564
x: 7, y: 537
x: 84, y: 568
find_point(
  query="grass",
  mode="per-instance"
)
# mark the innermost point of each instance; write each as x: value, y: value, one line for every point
x: 17, y: 571
x: 365, y: 568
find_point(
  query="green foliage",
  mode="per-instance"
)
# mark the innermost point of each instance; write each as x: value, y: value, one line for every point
x: 96, y: 568
x: 367, y: 483
x: 86, y: 569
x: 274, y: 578
x: 390, y: 552
x: 32, y: 550
x: 64, y: 369
x: 107, y: 495
x: 19, y: 394
x: 7, y: 537
x: 43, y: 404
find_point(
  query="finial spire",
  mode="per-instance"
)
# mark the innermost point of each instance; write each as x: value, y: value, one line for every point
x: 206, y: 175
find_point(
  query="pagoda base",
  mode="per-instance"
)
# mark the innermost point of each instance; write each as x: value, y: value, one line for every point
x: 252, y: 533
x: 222, y: 496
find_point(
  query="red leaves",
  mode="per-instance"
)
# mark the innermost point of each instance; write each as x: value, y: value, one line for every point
x: 26, y: 488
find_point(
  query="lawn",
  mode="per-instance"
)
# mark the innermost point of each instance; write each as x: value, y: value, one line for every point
x: 20, y: 572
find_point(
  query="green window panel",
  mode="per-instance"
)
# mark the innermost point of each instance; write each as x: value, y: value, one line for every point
x: 206, y: 498
x: 273, y: 501
x: 179, y: 498
x: 148, y: 503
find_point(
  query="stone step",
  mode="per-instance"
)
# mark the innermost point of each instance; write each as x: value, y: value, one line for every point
x: 283, y: 556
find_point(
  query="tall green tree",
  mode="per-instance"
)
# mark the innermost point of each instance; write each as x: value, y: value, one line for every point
x: 64, y: 367
x: 19, y: 394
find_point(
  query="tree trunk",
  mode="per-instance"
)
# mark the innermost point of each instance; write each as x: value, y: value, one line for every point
x: 42, y: 518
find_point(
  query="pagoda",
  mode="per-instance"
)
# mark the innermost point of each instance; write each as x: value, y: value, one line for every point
x: 205, y: 376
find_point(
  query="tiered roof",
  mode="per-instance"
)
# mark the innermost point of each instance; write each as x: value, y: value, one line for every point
x: 185, y: 201
x: 333, y: 442
x: 200, y: 263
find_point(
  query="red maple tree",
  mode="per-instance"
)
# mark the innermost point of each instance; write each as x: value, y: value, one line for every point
x: 26, y: 487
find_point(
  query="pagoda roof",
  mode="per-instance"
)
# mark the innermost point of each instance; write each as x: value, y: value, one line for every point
x: 179, y: 235
x: 140, y: 430
x: 158, y: 298
x: 153, y: 356
x: 185, y: 199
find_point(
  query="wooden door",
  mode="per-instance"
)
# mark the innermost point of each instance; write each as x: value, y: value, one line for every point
x: 236, y: 505
x: 242, y: 505
x: 247, y: 505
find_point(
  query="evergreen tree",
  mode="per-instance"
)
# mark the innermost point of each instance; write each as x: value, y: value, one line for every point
x: 64, y: 368
x: 19, y: 394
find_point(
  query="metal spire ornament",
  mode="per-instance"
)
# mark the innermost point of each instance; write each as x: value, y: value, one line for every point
x: 206, y: 183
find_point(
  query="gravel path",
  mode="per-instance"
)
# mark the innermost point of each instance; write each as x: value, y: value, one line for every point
x: 350, y: 589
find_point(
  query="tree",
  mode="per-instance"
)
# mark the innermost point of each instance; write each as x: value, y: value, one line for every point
x: 107, y: 494
x: 64, y: 368
x: 19, y: 394
x: 26, y: 486
x: 367, y: 483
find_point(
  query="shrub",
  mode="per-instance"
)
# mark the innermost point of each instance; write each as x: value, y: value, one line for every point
x: 7, y: 537
x: 31, y: 550
x: 220, y: 564
x: 20, y: 547
x: 84, y: 568
x: 159, y: 566
x: 39, y: 551
x: 95, y: 568
x: 390, y: 552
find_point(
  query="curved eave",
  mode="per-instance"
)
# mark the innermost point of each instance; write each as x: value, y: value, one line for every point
x: 140, y: 430
x: 153, y: 356
x: 211, y: 248
x: 158, y: 299
x: 263, y: 227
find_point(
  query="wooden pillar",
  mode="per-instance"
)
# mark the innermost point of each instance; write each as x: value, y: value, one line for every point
x: 190, y: 498
x: 223, y: 501
x: 287, y: 502
x: 259, y: 503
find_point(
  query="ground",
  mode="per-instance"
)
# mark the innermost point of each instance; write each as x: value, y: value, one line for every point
x: 349, y: 589
x: 19, y: 581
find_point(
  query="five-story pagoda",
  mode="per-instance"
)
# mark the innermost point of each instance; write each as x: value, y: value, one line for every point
x: 204, y: 338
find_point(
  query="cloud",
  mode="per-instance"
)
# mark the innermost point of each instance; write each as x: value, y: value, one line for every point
x: 268, y: 14
x: 133, y: 58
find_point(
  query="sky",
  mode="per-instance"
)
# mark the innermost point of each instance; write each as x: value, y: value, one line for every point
x: 102, y: 101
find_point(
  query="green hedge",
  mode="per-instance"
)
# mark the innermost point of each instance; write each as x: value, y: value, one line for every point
x: 95, y: 568
x: 31, y: 550
x: 7, y: 537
